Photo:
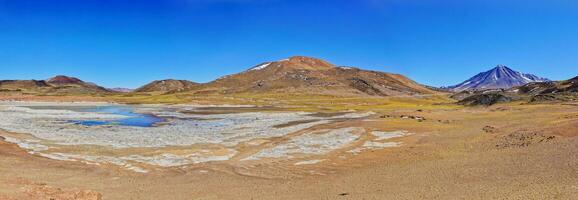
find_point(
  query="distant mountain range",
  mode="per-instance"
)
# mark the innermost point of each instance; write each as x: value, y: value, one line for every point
x: 306, y: 75
x: 298, y: 74
x: 500, y: 77
x: 120, y: 89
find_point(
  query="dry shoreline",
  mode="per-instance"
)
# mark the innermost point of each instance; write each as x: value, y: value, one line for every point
x: 477, y: 153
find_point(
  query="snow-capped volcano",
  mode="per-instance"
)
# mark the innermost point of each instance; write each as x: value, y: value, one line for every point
x: 497, y: 78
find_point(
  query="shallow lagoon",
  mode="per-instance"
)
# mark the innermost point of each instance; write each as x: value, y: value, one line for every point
x: 132, y: 118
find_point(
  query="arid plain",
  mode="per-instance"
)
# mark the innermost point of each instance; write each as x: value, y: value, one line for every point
x: 430, y: 148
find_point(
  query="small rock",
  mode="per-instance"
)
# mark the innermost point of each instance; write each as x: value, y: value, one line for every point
x: 489, y: 129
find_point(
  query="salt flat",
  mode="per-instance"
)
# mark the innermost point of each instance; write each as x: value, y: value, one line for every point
x: 51, y: 132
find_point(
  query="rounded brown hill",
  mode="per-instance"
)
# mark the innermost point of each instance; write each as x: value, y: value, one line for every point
x: 61, y: 80
x: 72, y: 85
x: 168, y: 85
x: 300, y: 74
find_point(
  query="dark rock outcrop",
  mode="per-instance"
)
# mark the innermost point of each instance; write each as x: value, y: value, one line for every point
x: 485, y: 99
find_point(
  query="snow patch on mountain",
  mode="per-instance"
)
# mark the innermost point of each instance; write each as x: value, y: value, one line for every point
x: 260, y: 67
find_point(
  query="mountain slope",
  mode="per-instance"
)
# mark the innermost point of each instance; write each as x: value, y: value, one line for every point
x: 168, y: 85
x: 550, y: 91
x: 500, y: 77
x: 301, y: 74
x: 55, y: 85
x: 559, y: 91
x: 552, y: 87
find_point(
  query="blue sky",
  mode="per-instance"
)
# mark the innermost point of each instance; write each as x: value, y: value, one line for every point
x: 127, y: 43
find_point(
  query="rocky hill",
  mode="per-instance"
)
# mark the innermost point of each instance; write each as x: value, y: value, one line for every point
x: 301, y: 74
x: 168, y: 85
x: 552, y: 87
x: 550, y: 91
x: 72, y: 85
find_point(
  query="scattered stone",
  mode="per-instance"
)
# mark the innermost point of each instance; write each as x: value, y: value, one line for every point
x: 385, y: 116
x: 500, y: 109
x: 523, y: 138
x: 43, y: 191
x: 418, y: 118
x: 489, y: 129
x: 444, y: 121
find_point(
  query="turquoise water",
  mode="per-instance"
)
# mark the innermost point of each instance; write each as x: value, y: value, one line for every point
x: 132, y: 119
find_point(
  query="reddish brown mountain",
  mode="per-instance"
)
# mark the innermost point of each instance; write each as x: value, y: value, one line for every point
x: 63, y: 80
x: 168, y: 85
x: 72, y: 85
x: 55, y: 85
x: 301, y: 74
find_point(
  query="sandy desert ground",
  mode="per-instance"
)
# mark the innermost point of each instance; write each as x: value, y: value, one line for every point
x: 509, y: 151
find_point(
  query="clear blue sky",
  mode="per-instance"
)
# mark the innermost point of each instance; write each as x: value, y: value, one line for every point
x: 127, y: 43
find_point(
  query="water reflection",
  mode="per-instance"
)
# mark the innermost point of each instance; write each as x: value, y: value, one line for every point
x: 132, y: 118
